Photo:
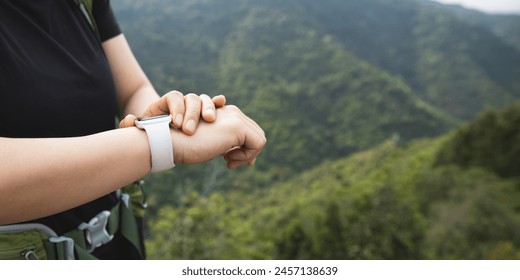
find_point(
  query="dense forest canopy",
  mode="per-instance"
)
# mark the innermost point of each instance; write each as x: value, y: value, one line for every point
x: 375, y: 150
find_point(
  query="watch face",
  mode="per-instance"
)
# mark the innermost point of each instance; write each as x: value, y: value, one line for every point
x: 151, y: 118
x: 144, y: 121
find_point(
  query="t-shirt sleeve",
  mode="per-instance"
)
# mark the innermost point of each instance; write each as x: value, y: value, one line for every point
x: 105, y: 20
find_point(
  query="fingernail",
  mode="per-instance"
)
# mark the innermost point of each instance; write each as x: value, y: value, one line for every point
x: 190, y: 126
x: 178, y: 120
x: 210, y: 113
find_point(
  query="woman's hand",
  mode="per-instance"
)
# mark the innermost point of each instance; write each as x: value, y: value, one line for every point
x: 185, y: 110
x: 233, y: 135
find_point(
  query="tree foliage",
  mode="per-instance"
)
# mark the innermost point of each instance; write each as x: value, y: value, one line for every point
x: 344, y: 90
x: 386, y: 203
x: 490, y: 142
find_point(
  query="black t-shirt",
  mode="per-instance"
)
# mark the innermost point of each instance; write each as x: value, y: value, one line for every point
x: 55, y: 81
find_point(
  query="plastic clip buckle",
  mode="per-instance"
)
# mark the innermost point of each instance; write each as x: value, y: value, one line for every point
x: 96, y: 233
x: 68, y: 247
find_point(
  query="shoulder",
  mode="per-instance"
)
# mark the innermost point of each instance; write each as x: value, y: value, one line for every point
x: 105, y: 19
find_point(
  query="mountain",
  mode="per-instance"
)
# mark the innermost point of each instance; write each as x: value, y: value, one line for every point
x: 345, y: 91
x: 325, y: 79
x: 314, y: 95
x: 505, y: 26
x: 388, y: 202
x: 449, y: 61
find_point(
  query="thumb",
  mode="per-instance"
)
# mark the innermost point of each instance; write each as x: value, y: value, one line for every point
x: 128, y: 121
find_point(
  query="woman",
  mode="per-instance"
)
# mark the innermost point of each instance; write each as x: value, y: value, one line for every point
x: 62, y: 161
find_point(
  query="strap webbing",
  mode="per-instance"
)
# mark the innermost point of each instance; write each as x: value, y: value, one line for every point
x: 85, y: 7
x: 121, y: 219
x: 129, y: 228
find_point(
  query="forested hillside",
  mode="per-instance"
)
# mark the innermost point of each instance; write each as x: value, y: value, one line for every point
x: 451, y: 62
x: 326, y: 80
x: 389, y: 202
x: 447, y: 59
x: 506, y: 27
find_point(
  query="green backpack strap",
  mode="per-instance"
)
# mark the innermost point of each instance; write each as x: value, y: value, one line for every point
x: 85, y: 7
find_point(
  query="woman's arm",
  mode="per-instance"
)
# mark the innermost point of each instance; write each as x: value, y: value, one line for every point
x: 133, y: 89
x: 41, y: 177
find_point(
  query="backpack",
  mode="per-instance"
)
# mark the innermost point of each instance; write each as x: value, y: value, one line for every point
x: 85, y: 6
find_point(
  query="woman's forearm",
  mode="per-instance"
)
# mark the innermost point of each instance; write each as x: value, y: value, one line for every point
x: 140, y: 100
x: 40, y: 177
x: 133, y: 89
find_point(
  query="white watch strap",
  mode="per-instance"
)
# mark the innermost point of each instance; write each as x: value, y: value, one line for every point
x: 160, y: 140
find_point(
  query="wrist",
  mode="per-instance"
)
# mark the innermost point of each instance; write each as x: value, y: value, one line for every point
x: 160, y: 141
x: 178, y: 143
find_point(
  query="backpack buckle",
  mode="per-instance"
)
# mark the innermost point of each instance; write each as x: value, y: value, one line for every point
x: 68, y: 246
x: 96, y: 233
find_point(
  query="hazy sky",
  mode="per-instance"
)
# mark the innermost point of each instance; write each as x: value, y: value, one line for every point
x: 491, y: 6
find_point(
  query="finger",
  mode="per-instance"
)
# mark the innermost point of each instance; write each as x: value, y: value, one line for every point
x: 172, y: 103
x: 253, y: 145
x: 233, y: 164
x: 243, y: 155
x: 176, y: 107
x: 208, y: 108
x: 160, y: 107
x: 227, y: 154
x: 252, y: 141
x: 128, y: 121
x: 219, y: 101
x: 192, y: 105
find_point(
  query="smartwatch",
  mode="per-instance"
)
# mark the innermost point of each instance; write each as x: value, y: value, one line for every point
x: 161, y: 148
